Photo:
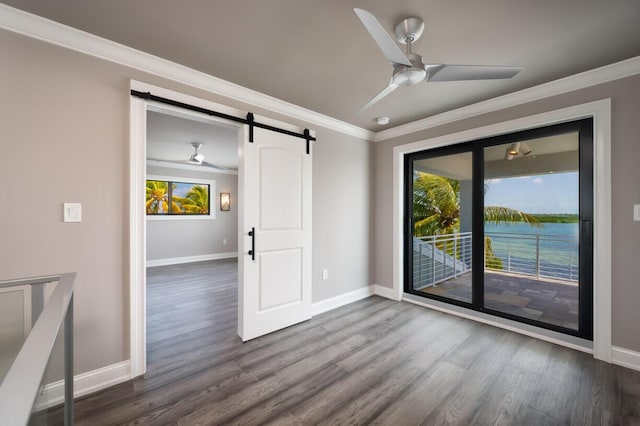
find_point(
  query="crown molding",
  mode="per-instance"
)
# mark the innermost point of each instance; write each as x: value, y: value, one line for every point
x: 615, y: 71
x: 49, y: 31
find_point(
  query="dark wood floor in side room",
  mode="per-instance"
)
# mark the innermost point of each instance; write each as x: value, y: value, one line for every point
x: 374, y: 361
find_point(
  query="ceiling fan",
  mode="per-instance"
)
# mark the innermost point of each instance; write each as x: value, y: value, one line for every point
x: 197, y: 159
x: 408, y: 68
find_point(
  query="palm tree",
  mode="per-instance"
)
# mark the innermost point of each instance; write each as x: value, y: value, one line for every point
x: 436, y: 211
x: 157, y: 201
x: 436, y: 205
x: 196, y: 201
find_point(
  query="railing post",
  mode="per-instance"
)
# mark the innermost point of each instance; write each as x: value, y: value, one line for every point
x: 420, y: 278
x: 508, y: 255
x: 68, y: 365
x: 571, y: 265
x: 455, y: 247
x: 433, y: 261
x: 444, y: 261
x: 537, y: 255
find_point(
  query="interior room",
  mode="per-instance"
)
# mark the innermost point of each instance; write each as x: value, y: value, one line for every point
x: 192, y: 240
x: 309, y: 212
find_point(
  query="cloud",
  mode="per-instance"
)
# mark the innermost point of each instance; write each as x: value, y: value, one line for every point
x: 538, y: 180
x: 492, y: 181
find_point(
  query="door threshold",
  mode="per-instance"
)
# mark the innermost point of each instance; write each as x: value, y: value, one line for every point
x: 561, y: 339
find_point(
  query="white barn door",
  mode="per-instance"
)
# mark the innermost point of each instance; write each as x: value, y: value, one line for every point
x: 275, y: 270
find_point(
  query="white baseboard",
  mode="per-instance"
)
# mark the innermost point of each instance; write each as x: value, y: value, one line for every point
x: 383, y: 291
x: 190, y: 259
x: 625, y: 358
x: 84, y: 384
x: 341, y: 300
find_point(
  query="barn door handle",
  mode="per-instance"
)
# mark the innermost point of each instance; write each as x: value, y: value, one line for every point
x: 252, y: 252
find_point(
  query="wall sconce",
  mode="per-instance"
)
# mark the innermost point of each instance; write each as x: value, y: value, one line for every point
x: 225, y: 201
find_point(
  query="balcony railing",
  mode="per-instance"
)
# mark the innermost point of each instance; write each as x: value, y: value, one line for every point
x: 539, y: 255
x: 22, y: 383
x: 442, y: 257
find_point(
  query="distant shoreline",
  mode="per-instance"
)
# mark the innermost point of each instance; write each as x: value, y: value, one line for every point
x: 556, y: 218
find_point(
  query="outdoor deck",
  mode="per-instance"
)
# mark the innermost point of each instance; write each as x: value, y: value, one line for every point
x: 550, y: 301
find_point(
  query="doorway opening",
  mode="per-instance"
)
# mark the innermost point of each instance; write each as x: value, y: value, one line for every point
x: 273, y: 208
x: 503, y: 225
x: 191, y: 210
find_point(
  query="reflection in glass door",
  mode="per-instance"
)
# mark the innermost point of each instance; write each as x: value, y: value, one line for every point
x: 531, y: 223
x: 441, y: 226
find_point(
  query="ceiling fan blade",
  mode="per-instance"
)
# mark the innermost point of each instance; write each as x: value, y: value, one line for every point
x: 214, y: 166
x: 469, y: 72
x: 390, y: 88
x: 382, y: 38
x: 168, y: 161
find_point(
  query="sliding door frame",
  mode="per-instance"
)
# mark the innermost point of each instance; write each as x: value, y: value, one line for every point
x: 600, y: 111
x: 461, y: 148
x: 584, y: 128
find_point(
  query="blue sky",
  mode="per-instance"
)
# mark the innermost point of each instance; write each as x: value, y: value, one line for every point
x: 549, y: 193
x: 181, y: 189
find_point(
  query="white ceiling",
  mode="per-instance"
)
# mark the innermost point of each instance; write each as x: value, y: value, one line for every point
x: 317, y: 54
x: 169, y: 138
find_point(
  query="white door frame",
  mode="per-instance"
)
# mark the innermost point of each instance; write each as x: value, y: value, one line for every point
x: 600, y: 111
x: 137, y: 228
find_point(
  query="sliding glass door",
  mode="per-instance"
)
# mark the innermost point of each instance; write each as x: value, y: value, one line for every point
x: 503, y: 226
x: 441, y: 224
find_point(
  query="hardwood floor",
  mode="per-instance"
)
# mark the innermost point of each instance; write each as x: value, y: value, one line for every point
x: 375, y: 361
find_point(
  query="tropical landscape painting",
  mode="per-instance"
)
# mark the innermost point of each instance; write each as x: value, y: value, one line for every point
x: 176, y: 198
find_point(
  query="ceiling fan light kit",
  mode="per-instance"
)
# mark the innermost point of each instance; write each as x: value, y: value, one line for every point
x: 517, y: 148
x: 196, y: 158
x: 408, y: 67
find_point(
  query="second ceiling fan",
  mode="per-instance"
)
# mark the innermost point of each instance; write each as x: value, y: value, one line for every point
x: 408, y: 68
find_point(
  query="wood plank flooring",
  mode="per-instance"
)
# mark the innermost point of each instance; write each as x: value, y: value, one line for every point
x: 375, y: 361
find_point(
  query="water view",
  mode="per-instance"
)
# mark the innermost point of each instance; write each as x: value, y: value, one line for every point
x: 550, y: 250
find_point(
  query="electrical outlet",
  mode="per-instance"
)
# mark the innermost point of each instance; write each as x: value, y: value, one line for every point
x: 224, y: 242
x: 325, y: 274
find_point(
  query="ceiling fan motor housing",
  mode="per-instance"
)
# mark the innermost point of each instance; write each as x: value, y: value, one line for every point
x: 404, y: 75
x: 409, y: 29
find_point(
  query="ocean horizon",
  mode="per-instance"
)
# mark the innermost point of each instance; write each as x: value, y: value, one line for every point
x: 515, y: 245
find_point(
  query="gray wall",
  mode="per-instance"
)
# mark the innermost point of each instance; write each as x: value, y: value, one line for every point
x: 625, y: 152
x: 68, y: 114
x: 171, y: 238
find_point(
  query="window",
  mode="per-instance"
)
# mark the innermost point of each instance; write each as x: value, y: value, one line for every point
x: 167, y: 197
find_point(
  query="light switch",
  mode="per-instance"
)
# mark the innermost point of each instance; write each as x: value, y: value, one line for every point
x: 72, y: 212
x: 325, y: 274
x: 636, y: 212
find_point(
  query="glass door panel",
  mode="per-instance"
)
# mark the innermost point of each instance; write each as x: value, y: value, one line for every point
x: 440, y: 195
x: 531, y: 229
